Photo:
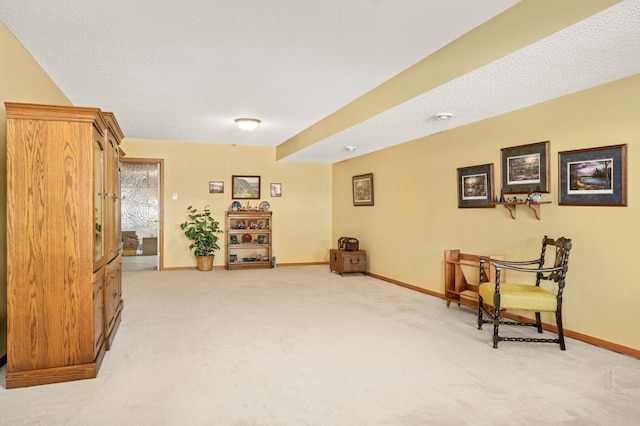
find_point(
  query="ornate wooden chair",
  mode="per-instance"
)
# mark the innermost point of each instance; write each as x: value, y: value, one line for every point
x: 525, y: 297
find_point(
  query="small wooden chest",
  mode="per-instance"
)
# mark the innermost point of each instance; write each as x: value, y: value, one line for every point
x: 347, y: 261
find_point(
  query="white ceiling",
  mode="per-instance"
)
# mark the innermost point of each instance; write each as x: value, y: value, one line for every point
x: 182, y: 71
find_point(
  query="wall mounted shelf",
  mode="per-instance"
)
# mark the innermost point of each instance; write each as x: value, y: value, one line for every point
x: 533, y: 205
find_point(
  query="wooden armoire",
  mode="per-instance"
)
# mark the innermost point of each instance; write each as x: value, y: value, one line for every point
x: 64, y: 264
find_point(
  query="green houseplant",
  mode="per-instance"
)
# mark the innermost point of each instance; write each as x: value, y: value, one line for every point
x: 202, y: 230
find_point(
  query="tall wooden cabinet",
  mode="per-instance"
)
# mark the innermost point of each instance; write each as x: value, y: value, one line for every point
x: 113, y: 303
x: 63, y: 256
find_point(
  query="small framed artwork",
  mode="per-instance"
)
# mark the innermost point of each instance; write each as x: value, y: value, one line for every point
x: 475, y: 186
x: 593, y: 177
x: 216, y: 187
x: 525, y: 168
x: 262, y: 238
x: 276, y: 190
x: 363, y: 190
x: 233, y: 239
x: 245, y: 187
x: 233, y: 258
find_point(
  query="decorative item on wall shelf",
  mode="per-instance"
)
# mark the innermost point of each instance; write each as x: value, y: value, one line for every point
x: 245, y: 187
x: 593, y: 176
x: 264, y: 206
x: 525, y: 167
x: 216, y: 187
x: 235, y: 206
x: 276, y: 190
x: 475, y: 186
x: 201, y: 228
x: 362, y: 186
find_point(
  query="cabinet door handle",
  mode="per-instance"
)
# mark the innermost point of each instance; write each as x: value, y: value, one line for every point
x: 354, y: 261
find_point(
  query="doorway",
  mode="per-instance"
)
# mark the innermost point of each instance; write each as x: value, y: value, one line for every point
x: 141, y: 187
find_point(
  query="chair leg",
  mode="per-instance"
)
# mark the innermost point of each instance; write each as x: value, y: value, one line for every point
x: 538, y: 322
x: 496, y: 321
x: 496, y: 324
x: 479, y: 312
x: 560, y: 330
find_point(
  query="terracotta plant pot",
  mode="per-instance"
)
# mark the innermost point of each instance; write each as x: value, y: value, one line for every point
x: 205, y: 263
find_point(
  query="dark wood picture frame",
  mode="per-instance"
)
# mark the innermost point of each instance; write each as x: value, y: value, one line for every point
x: 475, y: 186
x: 362, y: 187
x: 245, y: 187
x: 593, y: 176
x: 525, y: 168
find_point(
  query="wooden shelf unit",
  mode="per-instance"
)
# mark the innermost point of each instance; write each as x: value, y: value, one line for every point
x: 462, y: 276
x: 249, y: 237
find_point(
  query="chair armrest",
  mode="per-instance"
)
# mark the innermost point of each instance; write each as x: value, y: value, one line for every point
x: 514, y: 262
x: 517, y: 268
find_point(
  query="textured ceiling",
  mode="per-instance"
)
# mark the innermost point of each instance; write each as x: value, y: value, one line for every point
x: 183, y: 71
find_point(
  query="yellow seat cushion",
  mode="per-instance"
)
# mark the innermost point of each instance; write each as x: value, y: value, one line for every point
x: 520, y: 297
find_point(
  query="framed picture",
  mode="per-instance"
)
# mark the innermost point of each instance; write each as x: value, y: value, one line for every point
x: 262, y: 238
x: 593, y: 177
x: 363, y: 190
x: 245, y: 187
x: 525, y: 168
x: 216, y: 187
x: 276, y: 190
x: 475, y: 186
x: 233, y: 258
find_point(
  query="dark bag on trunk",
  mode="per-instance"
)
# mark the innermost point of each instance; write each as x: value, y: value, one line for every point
x: 348, y: 244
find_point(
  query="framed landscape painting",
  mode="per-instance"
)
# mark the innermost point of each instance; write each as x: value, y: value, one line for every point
x: 593, y: 177
x: 216, y: 187
x: 475, y: 186
x: 245, y: 187
x: 525, y: 168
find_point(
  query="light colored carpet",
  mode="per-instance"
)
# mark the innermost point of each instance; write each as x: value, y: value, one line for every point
x: 302, y: 346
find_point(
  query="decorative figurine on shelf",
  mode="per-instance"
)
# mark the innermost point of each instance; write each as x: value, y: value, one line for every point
x: 502, y: 195
x: 534, y: 196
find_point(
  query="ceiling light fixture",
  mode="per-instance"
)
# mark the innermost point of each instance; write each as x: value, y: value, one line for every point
x: 247, y: 124
x: 443, y: 115
x: 350, y: 148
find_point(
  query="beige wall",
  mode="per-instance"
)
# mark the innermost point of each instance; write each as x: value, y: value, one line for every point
x: 301, y: 217
x: 416, y: 218
x: 21, y: 80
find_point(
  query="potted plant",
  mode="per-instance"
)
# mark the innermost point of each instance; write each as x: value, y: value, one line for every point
x: 202, y: 230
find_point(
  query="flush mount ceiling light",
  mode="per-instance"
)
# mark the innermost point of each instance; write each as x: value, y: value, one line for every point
x: 443, y: 115
x: 247, y: 124
x: 350, y: 148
